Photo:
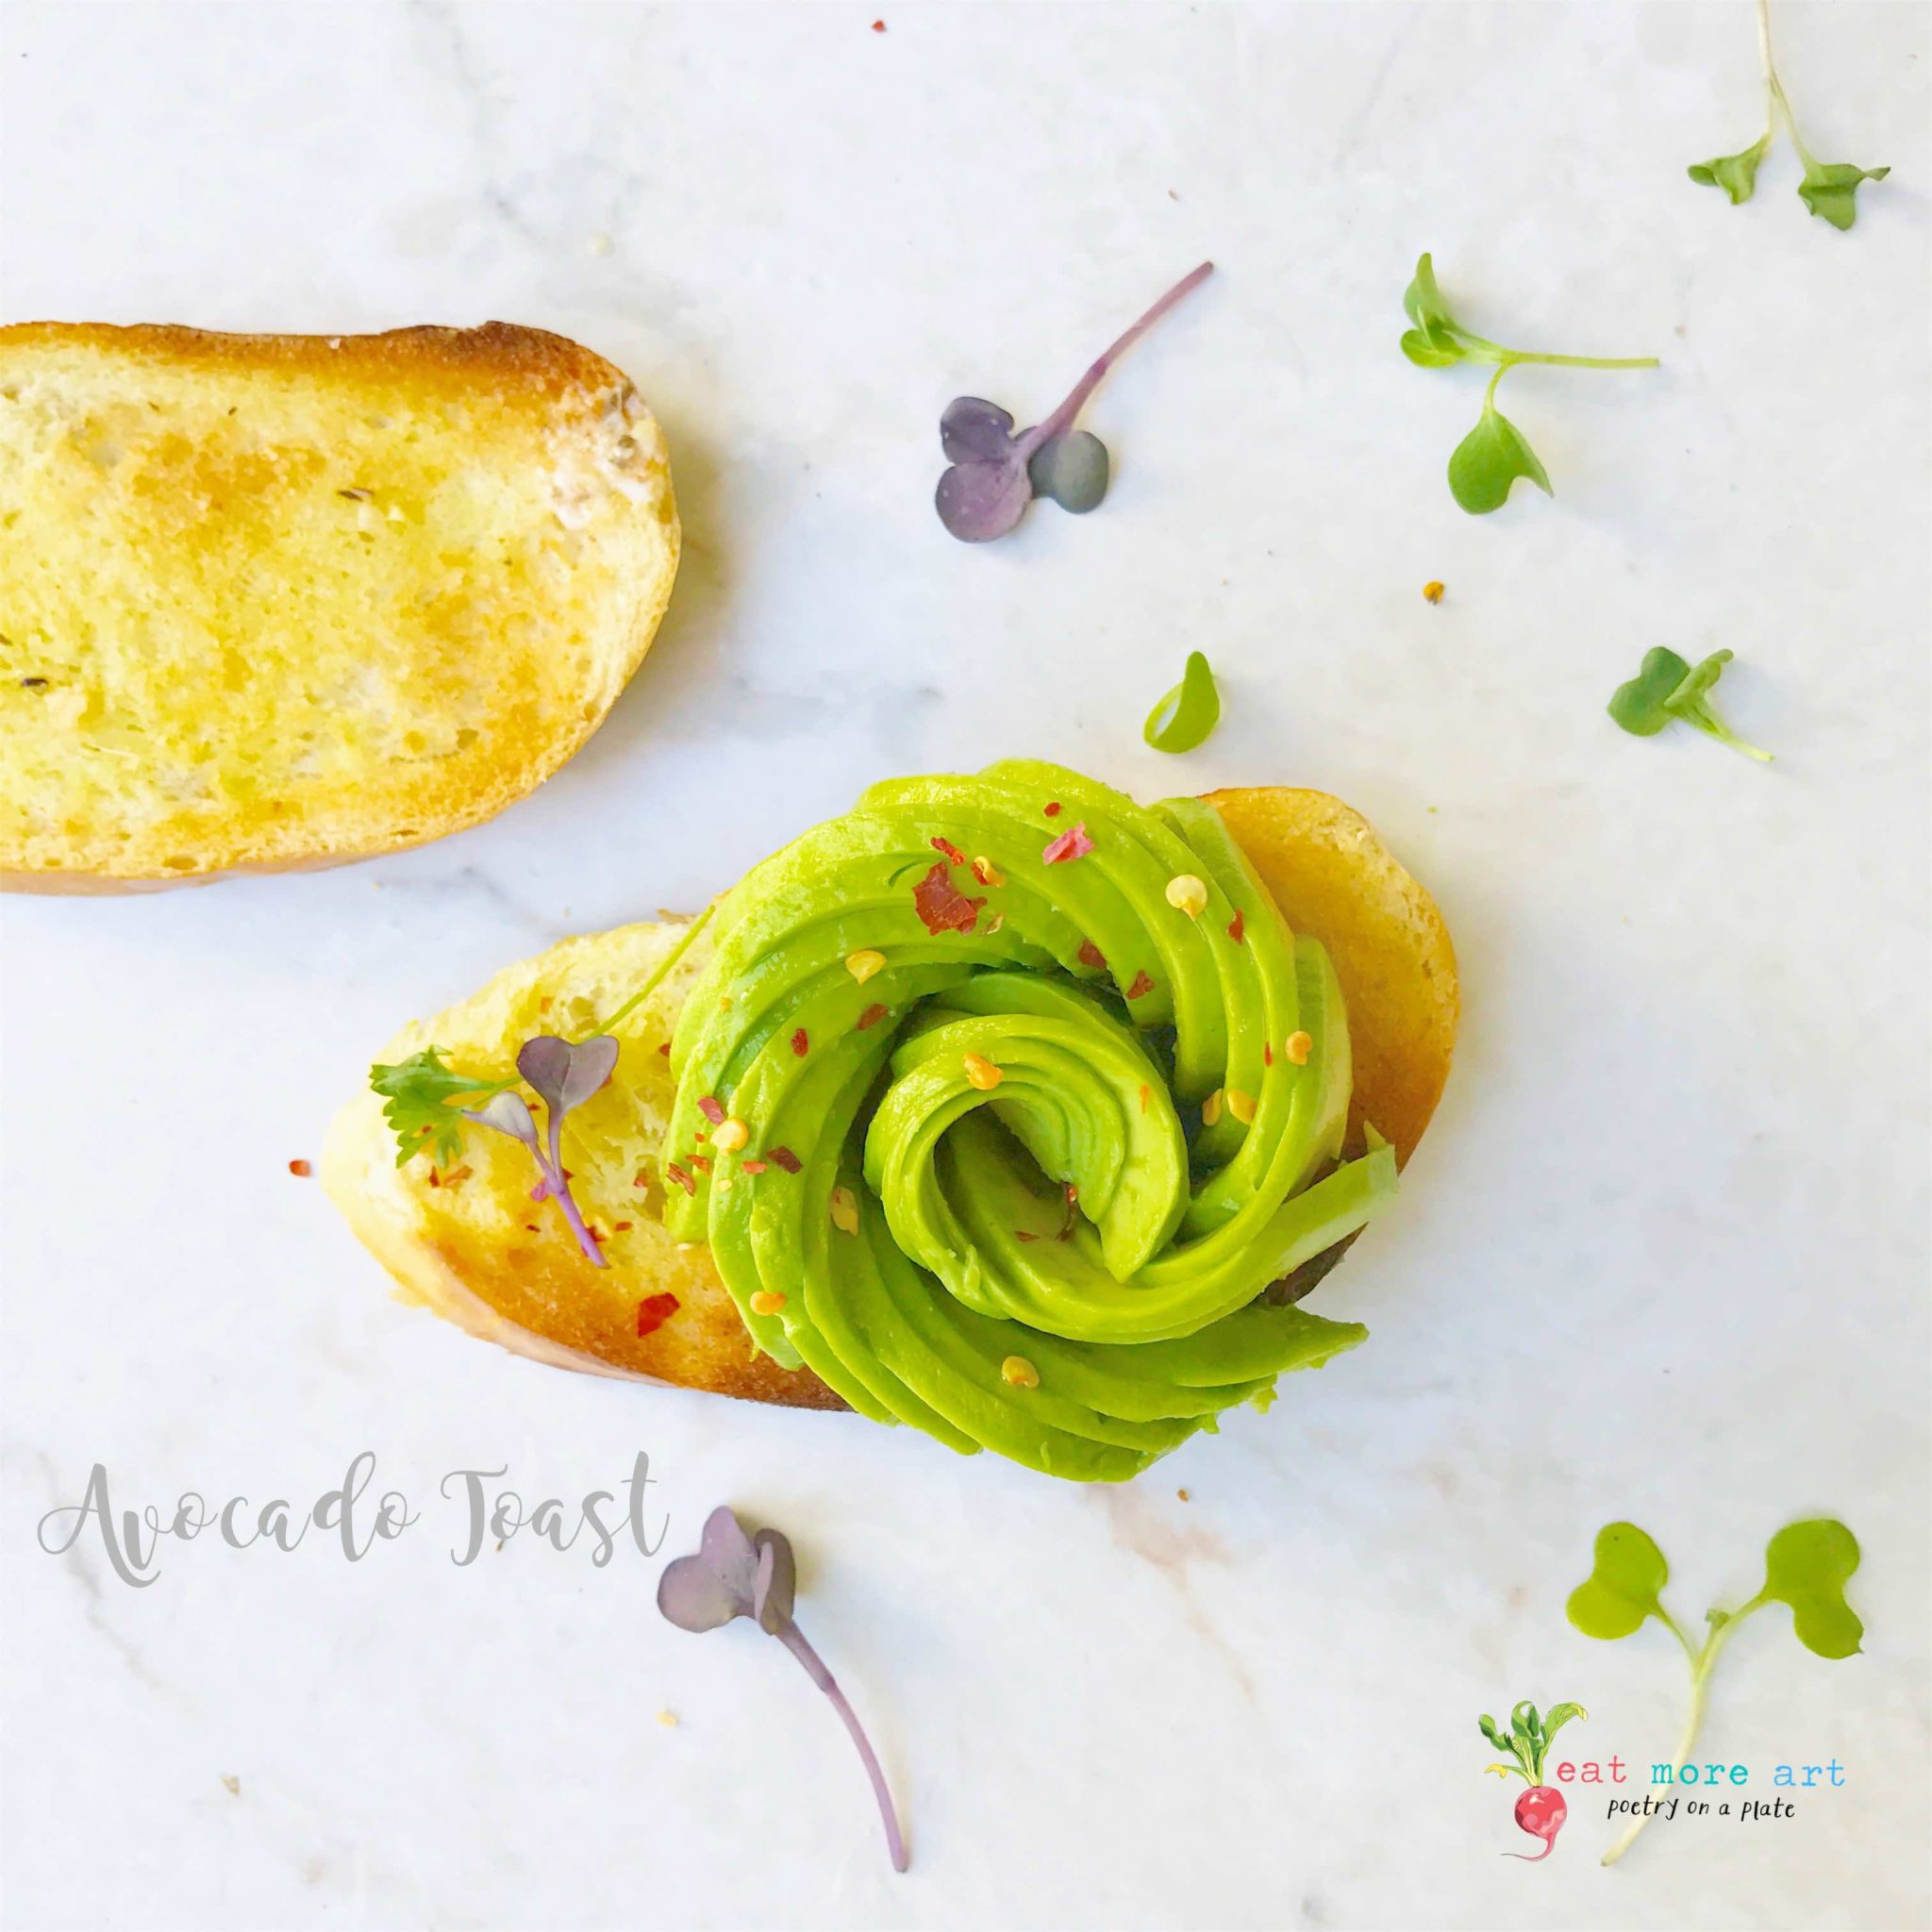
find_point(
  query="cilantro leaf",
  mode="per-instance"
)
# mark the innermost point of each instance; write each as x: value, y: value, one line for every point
x: 1737, y: 175
x: 417, y: 1094
x: 1805, y: 1565
x: 1829, y: 189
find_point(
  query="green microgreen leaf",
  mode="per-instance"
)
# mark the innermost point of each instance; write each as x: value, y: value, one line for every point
x: 1737, y: 175
x: 1487, y: 462
x: 1805, y: 1565
x: 1830, y: 188
x: 418, y: 1093
x: 1641, y: 707
x: 1623, y: 1587
x: 1185, y: 715
x: 1495, y: 454
x: 1666, y: 690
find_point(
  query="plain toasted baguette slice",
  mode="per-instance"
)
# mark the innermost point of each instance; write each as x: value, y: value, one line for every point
x: 279, y: 601
x: 470, y: 1244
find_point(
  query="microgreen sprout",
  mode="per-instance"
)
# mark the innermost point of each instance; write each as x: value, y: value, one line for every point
x: 732, y: 1574
x: 1489, y: 459
x: 1185, y: 717
x: 994, y: 474
x: 1667, y: 689
x: 1829, y: 189
x: 1805, y: 1565
x: 420, y: 1090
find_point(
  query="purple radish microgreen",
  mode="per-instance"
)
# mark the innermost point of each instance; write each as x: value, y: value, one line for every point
x: 995, y: 474
x: 1806, y: 1566
x: 1488, y: 461
x: 1829, y: 189
x: 732, y: 1574
x: 419, y: 1092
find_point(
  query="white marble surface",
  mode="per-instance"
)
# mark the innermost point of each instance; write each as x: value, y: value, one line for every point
x: 1663, y: 1255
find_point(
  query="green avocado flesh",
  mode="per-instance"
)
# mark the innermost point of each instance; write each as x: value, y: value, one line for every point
x: 1110, y: 1209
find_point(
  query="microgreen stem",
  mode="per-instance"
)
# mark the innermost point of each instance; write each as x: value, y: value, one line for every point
x: 663, y: 972
x: 1062, y: 418
x: 560, y: 1193
x: 1512, y: 356
x: 1702, y: 1659
x: 792, y: 1638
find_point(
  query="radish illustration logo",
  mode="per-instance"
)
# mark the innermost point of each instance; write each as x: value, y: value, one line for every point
x: 1541, y: 1809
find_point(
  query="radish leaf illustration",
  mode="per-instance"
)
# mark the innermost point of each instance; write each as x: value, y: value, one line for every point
x: 1806, y: 1566
x: 1539, y: 1810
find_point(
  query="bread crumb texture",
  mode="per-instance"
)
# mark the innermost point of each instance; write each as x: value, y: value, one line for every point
x: 283, y: 600
x: 471, y: 1245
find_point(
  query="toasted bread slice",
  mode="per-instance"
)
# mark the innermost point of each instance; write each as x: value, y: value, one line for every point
x: 470, y: 1243
x: 274, y: 601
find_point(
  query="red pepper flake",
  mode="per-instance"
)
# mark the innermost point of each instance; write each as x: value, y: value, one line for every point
x: 1052, y: 810
x: 621, y: 1226
x: 641, y: 1178
x: 878, y: 26
x: 673, y: 1172
x: 712, y: 1110
x: 783, y: 1157
x: 435, y: 1178
x: 801, y: 1042
x: 530, y: 1227
x: 1237, y: 926
x: 458, y: 1176
x: 1020, y: 1234
x: 702, y: 1162
x: 942, y: 905
x: 665, y: 1049
x: 1266, y: 1052
x: 752, y: 1166
x: 654, y: 1311
x: 598, y: 1236
x: 1068, y: 846
x: 300, y: 1169
x: 1142, y: 986
x: 872, y: 1016
x: 1090, y: 955
x: 952, y: 851
x: 1145, y: 1090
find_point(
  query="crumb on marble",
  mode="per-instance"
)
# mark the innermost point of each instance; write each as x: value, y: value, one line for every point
x: 232, y: 1784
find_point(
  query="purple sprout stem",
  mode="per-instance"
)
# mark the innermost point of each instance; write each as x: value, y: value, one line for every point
x: 559, y: 1190
x: 792, y: 1638
x: 1062, y: 418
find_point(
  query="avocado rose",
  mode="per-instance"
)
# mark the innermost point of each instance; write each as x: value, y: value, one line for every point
x: 1007, y: 1107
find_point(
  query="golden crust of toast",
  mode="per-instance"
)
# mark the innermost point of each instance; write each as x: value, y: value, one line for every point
x: 474, y: 1248
x: 276, y: 602
x: 1334, y: 878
